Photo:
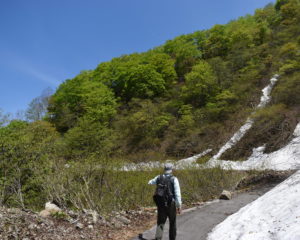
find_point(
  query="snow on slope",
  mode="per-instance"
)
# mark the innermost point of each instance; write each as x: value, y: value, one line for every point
x: 191, y: 161
x: 180, y: 164
x: 264, y: 100
x: 285, y: 158
x: 275, y: 215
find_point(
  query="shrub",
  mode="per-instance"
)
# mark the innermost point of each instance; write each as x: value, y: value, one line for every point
x: 100, y: 186
x: 287, y: 91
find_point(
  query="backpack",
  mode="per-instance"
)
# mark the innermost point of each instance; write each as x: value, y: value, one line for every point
x: 164, y: 192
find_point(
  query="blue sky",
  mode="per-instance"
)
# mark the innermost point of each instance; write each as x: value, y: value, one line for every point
x: 44, y: 42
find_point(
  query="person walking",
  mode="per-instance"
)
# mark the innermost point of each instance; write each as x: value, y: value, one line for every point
x: 168, y: 201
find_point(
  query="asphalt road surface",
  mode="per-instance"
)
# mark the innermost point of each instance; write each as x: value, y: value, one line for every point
x: 196, y: 223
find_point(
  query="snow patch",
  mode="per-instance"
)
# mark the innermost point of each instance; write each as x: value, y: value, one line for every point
x: 188, y: 162
x: 264, y: 100
x: 285, y: 158
x: 235, y: 138
x: 275, y: 215
x: 181, y: 164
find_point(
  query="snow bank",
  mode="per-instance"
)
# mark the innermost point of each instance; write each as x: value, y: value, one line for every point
x: 275, y: 215
x: 188, y: 162
x: 180, y: 164
x: 285, y: 158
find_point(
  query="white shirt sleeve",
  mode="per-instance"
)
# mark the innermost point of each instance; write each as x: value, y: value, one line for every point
x: 153, y: 181
x: 177, y: 193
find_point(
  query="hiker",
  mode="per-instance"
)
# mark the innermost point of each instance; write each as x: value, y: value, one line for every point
x: 168, y: 201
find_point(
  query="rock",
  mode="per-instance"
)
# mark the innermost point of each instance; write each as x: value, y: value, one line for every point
x: 79, y: 226
x: 44, y: 213
x: 10, y: 229
x: 225, y: 195
x: 117, y: 225
x: 72, y: 214
x: 90, y: 226
x: 123, y: 220
x: 32, y: 226
x: 95, y: 216
x: 52, y: 208
x: 92, y: 213
x: 14, y: 211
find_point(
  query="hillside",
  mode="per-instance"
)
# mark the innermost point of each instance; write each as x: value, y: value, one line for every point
x: 174, y: 101
x: 187, y: 95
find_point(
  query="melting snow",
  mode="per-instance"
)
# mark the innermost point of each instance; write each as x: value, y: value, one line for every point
x: 264, y: 100
x: 285, y: 158
x: 188, y: 162
x: 181, y: 164
x: 275, y: 215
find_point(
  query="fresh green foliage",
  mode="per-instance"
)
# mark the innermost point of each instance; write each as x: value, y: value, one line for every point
x: 173, y: 101
x: 185, y: 52
x: 86, y: 138
x: 118, y: 190
x: 288, y: 90
x: 200, y: 85
x: 137, y: 75
x: 170, y: 100
x: 80, y: 97
x: 25, y: 156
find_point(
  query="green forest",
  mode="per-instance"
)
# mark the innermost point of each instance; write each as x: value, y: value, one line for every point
x: 173, y: 101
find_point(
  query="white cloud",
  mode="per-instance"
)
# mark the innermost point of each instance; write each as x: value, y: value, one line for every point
x: 40, y: 75
x: 20, y: 64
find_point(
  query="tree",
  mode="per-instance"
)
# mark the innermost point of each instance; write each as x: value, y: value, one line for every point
x: 217, y: 42
x: 3, y: 118
x: 143, y: 81
x: 78, y: 97
x: 25, y: 150
x: 185, y: 52
x: 163, y: 64
x: 200, y: 85
x: 142, y: 125
x: 37, y: 108
x: 219, y: 107
x: 86, y: 139
x: 222, y: 71
x: 280, y: 3
x: 65, y: 106
x: 136, y: 75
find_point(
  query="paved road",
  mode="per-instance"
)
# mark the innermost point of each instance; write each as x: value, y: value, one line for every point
x: 195, y: 224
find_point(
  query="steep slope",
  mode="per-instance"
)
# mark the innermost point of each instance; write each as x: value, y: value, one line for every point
x: 286, y: 158
x: 187, y: 95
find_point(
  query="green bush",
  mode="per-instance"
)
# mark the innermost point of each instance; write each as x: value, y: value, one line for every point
x: 100, y: 186
x: 287, y: 90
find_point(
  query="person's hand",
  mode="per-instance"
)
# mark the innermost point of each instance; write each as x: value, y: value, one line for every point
x: 179, y: 210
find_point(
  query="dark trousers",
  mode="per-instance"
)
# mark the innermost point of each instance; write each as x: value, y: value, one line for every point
x: 163, y: 213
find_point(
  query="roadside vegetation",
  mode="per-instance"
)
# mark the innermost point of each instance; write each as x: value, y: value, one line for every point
x: 178, y: 99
